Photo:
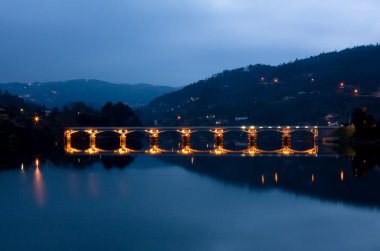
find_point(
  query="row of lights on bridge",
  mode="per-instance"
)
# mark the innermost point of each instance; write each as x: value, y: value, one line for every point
x: 278, y: 127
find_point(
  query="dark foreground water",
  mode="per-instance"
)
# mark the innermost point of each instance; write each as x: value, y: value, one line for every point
x: 184, y: 203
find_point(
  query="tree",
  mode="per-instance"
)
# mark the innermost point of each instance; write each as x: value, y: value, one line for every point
x: 118, y: 115
x: 359, y: 116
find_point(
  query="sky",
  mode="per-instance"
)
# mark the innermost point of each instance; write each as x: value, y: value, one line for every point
x: 171, y: 42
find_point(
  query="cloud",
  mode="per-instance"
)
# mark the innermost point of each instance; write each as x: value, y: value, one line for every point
x: 168, y: 41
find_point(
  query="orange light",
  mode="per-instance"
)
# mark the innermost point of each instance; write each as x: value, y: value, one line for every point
x: 262, y: 179
x: 186, y: 151
x: 153, y: 132
x: 71, y: 150
x: 276, y: 177
x: 39, y: 187
x: 312, y: 178
x: 218, y: 151
x: 154, y: 150
x: 341, y: 84
x: 36, y: 119
x: 185, y: 132
x: 312, y: 151
x: 356, y: 91
x: 122, y: 150
x: 341, y: 176
x: 286, y: 151
x: 252, y: 151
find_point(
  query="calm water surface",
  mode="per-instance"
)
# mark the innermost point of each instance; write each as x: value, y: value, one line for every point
x: 183, y: 203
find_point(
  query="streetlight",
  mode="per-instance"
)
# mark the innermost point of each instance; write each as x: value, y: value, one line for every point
x: 36, y: 119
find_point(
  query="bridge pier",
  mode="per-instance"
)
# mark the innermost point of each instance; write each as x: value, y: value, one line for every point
x: 286, y: 141
x: 92, y: 147
x: 123, y: 142
x: 218, y: 141
x: 153, y: 142
x: 185, y: 140
x: 252, y: 142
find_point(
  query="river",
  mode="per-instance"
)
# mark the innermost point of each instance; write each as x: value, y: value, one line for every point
x: 190, y: 203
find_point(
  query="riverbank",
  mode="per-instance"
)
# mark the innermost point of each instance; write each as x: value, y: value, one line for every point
x: 347, y: 136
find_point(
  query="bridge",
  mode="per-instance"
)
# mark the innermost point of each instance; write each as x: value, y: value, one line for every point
x: 185, y: 135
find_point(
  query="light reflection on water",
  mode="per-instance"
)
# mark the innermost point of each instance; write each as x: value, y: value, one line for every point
x: 191, y: 203
x: 39, y: 189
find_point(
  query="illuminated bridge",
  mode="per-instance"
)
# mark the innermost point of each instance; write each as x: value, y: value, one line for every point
x: 185, y: 133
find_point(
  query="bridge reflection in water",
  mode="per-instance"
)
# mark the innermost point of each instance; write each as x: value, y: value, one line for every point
x: 185, y: 133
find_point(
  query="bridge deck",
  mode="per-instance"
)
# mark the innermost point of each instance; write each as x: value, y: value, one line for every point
x: 105, y: 128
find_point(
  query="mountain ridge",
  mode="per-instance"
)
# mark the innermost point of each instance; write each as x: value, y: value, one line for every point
x: 91, y: 91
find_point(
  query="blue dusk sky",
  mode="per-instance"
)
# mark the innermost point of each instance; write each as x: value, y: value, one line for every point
x: 171, y: 42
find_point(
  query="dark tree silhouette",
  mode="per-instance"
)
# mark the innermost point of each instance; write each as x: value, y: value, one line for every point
x: 359, y: 118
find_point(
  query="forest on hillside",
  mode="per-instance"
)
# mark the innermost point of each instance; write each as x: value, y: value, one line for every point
x: 303, y: 91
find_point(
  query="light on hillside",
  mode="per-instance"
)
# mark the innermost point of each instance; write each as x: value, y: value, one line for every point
x: 36, y: 119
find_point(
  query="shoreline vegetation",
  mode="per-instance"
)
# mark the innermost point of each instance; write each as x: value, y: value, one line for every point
x: 363, y: 131
x: 27, y: 127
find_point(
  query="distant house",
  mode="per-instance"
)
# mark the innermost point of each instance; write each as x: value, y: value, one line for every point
x: 221, y: 122
x: 332, y: 119
x: 243, y: 118
x: 4, y: 115
x: 331, y: 116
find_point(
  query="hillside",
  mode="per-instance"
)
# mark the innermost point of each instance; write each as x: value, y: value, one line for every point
x: 94, y: 92
x: 18, y: 106
x: 303, y: 91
